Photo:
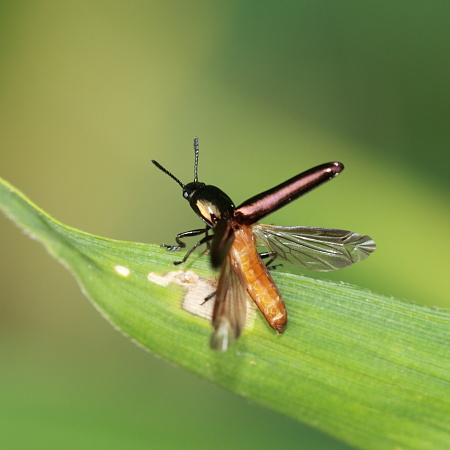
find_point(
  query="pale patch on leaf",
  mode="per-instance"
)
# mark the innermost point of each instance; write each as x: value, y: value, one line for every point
x: 197, y: 289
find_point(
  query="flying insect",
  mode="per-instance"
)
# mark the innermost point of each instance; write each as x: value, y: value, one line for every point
x: 236, y: 236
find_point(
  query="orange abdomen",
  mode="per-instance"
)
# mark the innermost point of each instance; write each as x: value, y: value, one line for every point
x: 257, y: 279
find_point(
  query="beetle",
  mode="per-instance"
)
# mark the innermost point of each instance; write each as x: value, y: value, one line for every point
x: 236, y: 236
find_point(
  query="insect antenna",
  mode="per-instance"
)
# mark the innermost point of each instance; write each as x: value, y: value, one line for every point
x: 196, y: 150
x: 160, y: 167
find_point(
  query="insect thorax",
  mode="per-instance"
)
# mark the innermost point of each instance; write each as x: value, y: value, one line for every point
x: 211, y: 204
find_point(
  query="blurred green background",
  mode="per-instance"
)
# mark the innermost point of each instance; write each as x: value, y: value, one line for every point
x: 90, y: 91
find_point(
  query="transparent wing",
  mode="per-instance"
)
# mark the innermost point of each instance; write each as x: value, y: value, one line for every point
x: 230, y: 308
x: 319, y: 249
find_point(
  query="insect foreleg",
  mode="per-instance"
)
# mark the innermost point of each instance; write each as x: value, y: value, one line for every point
x: 204, y: 240
x: 182, y: 244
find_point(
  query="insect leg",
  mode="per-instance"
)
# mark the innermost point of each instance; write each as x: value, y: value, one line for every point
x: 208, y: 245
x: 204, y: 240
x: 273, y: 257
x: 208, y: 297
x: 180, y: 243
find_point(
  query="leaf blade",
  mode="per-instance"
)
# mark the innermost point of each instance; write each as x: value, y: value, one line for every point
x: 370, y: 370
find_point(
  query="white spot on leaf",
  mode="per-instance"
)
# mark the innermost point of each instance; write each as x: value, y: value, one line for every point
x: 122, y: 270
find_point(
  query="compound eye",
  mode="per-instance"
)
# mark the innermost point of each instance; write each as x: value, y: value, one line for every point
x: 185, y: 194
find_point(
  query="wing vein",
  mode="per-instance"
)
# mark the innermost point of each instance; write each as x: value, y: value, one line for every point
x: 319, y: 249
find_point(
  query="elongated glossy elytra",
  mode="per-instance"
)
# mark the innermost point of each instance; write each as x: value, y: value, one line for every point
x: 236, y: 236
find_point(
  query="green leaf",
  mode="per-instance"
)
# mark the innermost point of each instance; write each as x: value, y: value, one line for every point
x: 370, y: 370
